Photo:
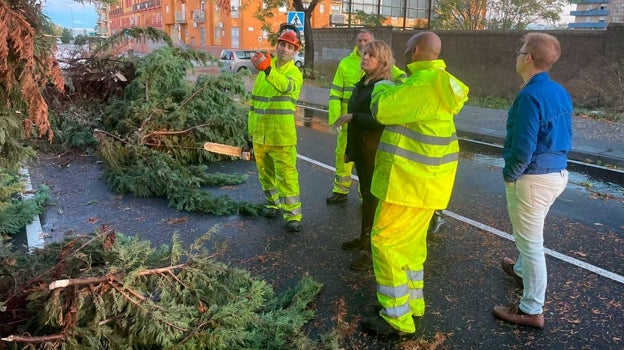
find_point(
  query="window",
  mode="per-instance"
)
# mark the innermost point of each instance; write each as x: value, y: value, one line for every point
x: 235, y: 34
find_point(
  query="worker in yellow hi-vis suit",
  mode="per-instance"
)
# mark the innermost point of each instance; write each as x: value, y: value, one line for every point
x: 415, y: 168
x: 347, y: 74
x: 271, y: 125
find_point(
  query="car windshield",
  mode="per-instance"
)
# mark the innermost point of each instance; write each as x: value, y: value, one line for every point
x: 244, y: 55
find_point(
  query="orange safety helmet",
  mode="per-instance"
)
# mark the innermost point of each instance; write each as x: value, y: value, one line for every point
x: 290, y: 37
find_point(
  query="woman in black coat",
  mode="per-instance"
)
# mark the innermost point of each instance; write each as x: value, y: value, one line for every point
x: 363, y: 138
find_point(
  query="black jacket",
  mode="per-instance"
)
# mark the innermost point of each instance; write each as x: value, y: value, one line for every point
x: 364, y: 132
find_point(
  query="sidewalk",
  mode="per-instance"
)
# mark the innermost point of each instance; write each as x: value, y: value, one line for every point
x: 595, y: 141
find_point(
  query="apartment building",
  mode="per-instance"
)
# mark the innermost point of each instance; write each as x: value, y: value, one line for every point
x: 214, y: 25
x: 204, y: 25
x: 597, y: 14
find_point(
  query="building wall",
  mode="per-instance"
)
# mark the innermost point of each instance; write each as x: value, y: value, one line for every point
x: 485, y: 60
x: 201, y: 24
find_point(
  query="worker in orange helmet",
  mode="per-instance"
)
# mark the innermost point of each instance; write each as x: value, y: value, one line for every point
x: 271, y: 126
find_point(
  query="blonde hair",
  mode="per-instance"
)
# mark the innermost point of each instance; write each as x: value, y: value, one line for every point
x: 382, y: 51
x: 544, y: 48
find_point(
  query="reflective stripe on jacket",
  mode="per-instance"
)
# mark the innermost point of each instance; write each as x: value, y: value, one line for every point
x: 274, y: 98
x: 347, y: 75
x: 418, y: 153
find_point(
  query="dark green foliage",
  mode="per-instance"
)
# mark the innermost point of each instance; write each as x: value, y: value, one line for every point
x: 122, y: 294
x: 15, y: 211
x: 154, y: 134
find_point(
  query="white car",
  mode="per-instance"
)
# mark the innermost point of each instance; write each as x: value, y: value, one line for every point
x: 299, y: 59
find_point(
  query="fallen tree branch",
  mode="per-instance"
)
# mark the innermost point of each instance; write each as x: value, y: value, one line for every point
x: 29, y: 339
x: 108, y: 278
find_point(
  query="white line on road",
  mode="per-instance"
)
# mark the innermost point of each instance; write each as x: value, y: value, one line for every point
x: 505, y: 235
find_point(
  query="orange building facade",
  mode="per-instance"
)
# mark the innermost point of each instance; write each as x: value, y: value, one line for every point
x: 203, y: 25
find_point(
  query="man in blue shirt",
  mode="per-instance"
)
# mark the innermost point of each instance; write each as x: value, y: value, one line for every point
x: 539, y: 136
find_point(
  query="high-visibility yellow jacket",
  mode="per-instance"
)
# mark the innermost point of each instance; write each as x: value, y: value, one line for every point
x: 271, y: 119
x: 347, y: 74
x: 418, y: 153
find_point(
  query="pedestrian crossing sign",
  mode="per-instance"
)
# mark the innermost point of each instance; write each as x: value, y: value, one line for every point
x: 296, y: 18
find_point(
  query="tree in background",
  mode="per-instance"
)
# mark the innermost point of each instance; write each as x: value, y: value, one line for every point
x: 66, y: 36
x: 369, y: 19
x: 265, y: 13
x: 460, y: 14
x: 518, y: 14
x: 495, y: 14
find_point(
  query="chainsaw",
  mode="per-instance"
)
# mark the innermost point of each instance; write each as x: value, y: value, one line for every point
x: 245, y: 153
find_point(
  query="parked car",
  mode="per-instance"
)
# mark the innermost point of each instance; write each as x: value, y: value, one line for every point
x: 237, y: 60
x: 299, y: 59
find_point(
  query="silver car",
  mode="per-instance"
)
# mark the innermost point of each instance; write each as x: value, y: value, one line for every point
x: 237, y: 61
x: 299, y: 59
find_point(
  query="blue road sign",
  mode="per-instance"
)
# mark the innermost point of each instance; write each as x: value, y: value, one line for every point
x: 296, y: 18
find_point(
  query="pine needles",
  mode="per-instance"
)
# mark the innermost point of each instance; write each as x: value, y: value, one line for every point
x: 110, y: 291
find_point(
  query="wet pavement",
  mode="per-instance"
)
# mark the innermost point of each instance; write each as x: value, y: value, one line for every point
x: 463, y: 280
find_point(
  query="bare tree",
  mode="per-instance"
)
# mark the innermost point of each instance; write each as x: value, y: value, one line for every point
x: 460, y: 14
x: 495, y: 14
x: 518, y: 14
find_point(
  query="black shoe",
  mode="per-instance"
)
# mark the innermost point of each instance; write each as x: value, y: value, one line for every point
x: 508, y: 266
x: 436, y: 222
x: 269, y: 212
x: 293, y: 226
x: 362, y: 263
x: 337, y: 198
x: 375, y: 325
x: 358, y: 243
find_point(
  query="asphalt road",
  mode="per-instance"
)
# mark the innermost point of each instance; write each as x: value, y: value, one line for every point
x: 463, y: 281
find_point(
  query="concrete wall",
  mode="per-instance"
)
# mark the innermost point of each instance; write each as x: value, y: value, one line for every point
x: 485, y: 60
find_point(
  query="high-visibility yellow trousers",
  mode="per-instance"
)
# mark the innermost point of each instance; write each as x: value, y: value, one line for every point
x: 342, y: 178
x: 278, y: 176
x: 399, y: 248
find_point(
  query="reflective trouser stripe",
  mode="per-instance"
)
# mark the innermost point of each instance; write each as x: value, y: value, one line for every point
x: 415, y: 283
x: 292, y: 207
x: 279, y: 162
x: 271, y: 197
x: 399, y: 249
x: 342, y: 180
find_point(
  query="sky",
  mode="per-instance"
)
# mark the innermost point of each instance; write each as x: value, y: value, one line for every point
x: 70, y: 14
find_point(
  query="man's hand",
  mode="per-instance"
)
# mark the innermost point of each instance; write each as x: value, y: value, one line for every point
x: 262, y: 61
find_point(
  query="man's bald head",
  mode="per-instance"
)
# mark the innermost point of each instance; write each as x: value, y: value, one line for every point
x: 424, y: 46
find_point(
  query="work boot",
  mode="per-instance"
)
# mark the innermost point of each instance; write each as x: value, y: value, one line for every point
x: 436, y: 222
x: 358, y: 243
x: 269, y: 212
x: 293, y: 226
x: 337, y: 198
x: 362, y: 263
x: 375, y: 325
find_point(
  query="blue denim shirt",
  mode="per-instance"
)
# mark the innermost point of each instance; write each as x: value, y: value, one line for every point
x: 539, y: 129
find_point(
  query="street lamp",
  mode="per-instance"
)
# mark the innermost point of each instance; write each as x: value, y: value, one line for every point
x: 72, y: 17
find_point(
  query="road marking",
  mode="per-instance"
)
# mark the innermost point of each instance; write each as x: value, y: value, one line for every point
x: 502, y: 234
x: 34, y: 232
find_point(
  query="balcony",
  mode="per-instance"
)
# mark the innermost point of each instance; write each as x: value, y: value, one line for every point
x: 588, y: 25
x: 180, y: 17
x: 199, y: 16
x: 590, y: 13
